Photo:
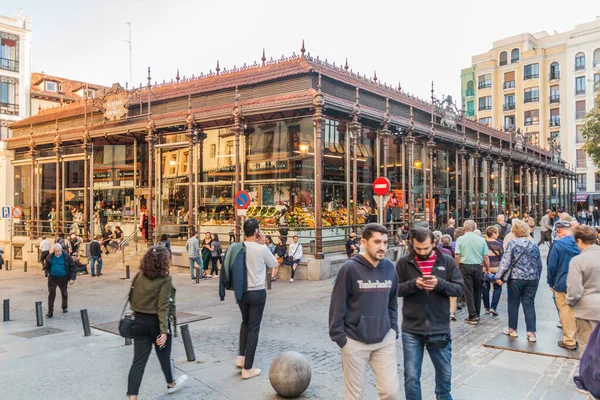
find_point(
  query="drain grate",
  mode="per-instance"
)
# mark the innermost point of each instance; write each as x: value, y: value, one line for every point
x: 37, y: 332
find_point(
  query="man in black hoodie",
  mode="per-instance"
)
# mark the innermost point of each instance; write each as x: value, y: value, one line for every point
x: 363, y: 316
x: 427, y: 280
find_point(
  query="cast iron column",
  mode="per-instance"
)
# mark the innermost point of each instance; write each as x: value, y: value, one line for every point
x: 511, y: 184
x: 476, y: 158
x: 384, y: 135
x: 355, y: 127
x: 86, y: 184
x: 32, y: 154
x: 58, y: 151
x: 488, y: 160
x: 431, y: 149
x: 463, y: 182
x: 191, y: 141
x: 318, y: 105
x: 151, y: 140
x: 237, y: 128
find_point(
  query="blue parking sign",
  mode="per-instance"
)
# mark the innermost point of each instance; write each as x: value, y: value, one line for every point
x: 5, y: 212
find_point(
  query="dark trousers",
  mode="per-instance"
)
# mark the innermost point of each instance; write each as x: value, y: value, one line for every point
x: 522, y: 292
x: 43, y: 256
x: 145, y: 331
x: 62, y: 282
x: 252, y: 307
x: 215, y: 269
x: 473, y: 277
x: 495, y: 296
x: 545, y: 236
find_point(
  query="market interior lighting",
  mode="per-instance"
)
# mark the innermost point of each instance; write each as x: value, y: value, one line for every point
x: 418, y: 164
x: 303, y: 147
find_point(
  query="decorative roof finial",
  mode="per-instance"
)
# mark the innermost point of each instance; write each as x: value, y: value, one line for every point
x: 149, y: 78
x: 218, y: 68
x: 39, y: 107
x: 177, y: 78
x: 399, y: 86
x: 346, y: 66
x: 263, y: 58
x: 189, y: 103
x: 357, y: 95
x: 319, y: 84
x: 237, y: 96
x: 302, y: 50
x: 375, y: 76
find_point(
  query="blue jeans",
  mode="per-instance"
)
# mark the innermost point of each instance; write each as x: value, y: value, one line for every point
x: 197, y: 260
x: 93, y: 263
x: 522, y: 292
x: 495, y: 296
x: 413, y: 347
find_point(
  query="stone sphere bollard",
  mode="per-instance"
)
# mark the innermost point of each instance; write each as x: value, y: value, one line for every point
x: 290, y: 374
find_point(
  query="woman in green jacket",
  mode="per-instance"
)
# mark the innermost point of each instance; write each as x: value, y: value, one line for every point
x: 153, y: 304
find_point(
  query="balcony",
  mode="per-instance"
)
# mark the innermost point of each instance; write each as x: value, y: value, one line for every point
x: 581, y: 188
x: 470, y: 92
x: 554, y: 98
x: 531, y: 76
x: 555, y: 120
x: 514, y: 60
x: 9, y: 109
x: 579, y: 91
x: 470, y: 113
x: 484, y: 85
x: 554, y: 75
x: 531, y: 99
x: 597, y: 187
x: 581, y: 164
x: 580, y: 114
x: 579, y: 66
x: 579, y: 139
x: 509, y: 106
x: 8, y: 64
x: 532, y: 121
x: 485, y: 108
x: 506, y: 128
x: 509, y: 85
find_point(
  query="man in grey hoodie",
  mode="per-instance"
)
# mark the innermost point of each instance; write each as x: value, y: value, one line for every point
x: 561, y: 253
x: 583, y: 285
x: 363, y: 316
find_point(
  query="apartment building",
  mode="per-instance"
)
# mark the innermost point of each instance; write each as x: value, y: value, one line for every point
x: 543, y: 84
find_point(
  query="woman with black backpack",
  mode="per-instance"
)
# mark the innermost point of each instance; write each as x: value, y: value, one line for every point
x: 215, y: 254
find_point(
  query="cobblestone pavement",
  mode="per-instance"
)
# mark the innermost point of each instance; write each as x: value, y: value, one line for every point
x: 67, y: 365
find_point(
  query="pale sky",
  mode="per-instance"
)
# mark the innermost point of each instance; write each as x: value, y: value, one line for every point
x: 413, y: 43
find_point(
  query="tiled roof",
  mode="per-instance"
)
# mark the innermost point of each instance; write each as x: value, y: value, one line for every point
x: 66, y: 110
x: 69, y: 87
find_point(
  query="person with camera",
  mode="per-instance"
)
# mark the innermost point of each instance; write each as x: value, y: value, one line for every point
x: 152, y: 299
x: 294, y: 256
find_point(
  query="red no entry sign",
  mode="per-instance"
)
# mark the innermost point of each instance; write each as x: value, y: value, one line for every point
x: 242, y: 200
x: 381, y: 186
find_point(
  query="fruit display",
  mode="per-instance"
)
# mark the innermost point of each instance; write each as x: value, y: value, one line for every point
x: 299, y: 216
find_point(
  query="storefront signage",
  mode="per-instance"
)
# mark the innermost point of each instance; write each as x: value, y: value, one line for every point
x: 128, y: 173
x: 5, y: 212
x: 114, y: 106
x: 102, y: 175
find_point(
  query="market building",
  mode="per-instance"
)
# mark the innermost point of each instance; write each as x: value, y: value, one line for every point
x: 305, y: 137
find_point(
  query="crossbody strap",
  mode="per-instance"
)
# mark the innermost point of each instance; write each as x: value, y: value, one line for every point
x: 128, y: 300
x: 512, y: 264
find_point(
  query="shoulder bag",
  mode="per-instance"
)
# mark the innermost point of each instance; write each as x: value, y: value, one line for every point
x: 126, y: 324
x: 289, y: 260
x: 506, y: 274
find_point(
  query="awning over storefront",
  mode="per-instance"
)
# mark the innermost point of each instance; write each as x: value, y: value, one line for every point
x: 580, y: 197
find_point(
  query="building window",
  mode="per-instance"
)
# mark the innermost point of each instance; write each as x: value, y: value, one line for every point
x: 509, y: 121
x: 554, y: 94
x: 51, y: 86
x: 580, y: 85
x: 509, y: 80
x: 534, y: 139
x: 503, y: 58
x: 9, y: 96
x: 470, y: 109
x: 485, y: 81
x: 581, y: 178
x: 213, y: 150
x: 332, y: 135
x: 531, y: 71
x: 596, y: 82
x: 9, y: 52
x: 486, y: 121
x: 580, y: 156
x: 579, y: 61
x: 580, y: 109
x: 532, y: 117
x: 554, y: 71
x: 3, y: 130
x: 470, y: 89
x: 531, y: 95
x: 89, y: 93
x: 514, y: 55
x: 555, y: 117
x: 597, y: 181
x: 485, y: 103
x: 596, y: 58
x: 579, y: 134
x: 509, y: 102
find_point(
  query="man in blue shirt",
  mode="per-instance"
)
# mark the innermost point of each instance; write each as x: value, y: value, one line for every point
x: 60, y: 270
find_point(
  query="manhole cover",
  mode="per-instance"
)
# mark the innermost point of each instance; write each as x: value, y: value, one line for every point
x: 37, y: 332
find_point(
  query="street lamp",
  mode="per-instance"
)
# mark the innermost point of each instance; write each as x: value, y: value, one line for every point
x: 303, y: 147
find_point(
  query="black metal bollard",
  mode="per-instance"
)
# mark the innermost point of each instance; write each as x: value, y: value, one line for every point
x: 128, y: 342
x: 268, y: 278
x: 25, y: 266
x: 197, y: 274
x: 127, y: 272
x: 7, y: 265
x: 6, y: 307
x: 85, y: 321
x: 39, y: 314
x: 187, y: 342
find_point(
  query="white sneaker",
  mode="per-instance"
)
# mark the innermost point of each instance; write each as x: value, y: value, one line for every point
x: 559, y: 325
x: 239, y: 361
x: 250, y: 373
x: 291, y: 280
x: 179, y: 382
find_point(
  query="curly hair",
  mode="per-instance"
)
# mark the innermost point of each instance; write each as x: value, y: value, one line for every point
x: 156, y: 262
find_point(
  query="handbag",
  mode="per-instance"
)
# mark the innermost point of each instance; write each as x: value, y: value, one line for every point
x: 289, y: 260
x: 506, y: 275
x: 126, y: 324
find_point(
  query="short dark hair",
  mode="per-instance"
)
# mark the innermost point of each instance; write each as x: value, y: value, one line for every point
x: 163, y: 237
x: 585, y: 233
x: 371, y: 228
x: 421, y: 234
x: 250, y: 226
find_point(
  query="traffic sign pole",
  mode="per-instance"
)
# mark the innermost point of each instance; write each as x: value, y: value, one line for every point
x: 381, y: 187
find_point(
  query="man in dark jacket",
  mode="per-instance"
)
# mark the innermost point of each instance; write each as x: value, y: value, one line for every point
x: 96, y: 255
x: 561, y: 253
x: 61, y: 271
x: 363, y: 316
x: 427, y: 279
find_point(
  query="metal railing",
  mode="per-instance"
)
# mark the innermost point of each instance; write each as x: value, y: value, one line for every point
x: 484, y: 85
x: 531, y: 99
x: 484, y: 108
x: 579, y: 66
x: 581, y: 163
x: 531, y: 76
x: 597, y: 187
x: 509, y: 85
x: 580, y: 114
x: 581, y: 188
x: 8, y: 64
x: 554, y: 75
x: 121, y: 245
x: 470, y: 92
x: 555, y: 121
x: 509, y: 106
x: 579, y: 91
x: 9, y: 108
x: 554, y: 98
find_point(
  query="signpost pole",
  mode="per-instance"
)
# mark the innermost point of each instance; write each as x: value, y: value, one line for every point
x: 381, y: 211
x: 11, y: 233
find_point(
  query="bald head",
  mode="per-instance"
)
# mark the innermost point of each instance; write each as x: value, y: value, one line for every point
x: 500, y: 218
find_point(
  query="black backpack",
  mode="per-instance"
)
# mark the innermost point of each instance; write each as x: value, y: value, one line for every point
x: 503, y: 230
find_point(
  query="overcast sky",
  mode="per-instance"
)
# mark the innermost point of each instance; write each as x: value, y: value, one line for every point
x: 413, y: 43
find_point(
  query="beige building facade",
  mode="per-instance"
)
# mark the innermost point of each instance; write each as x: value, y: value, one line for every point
x: 542, y: 84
